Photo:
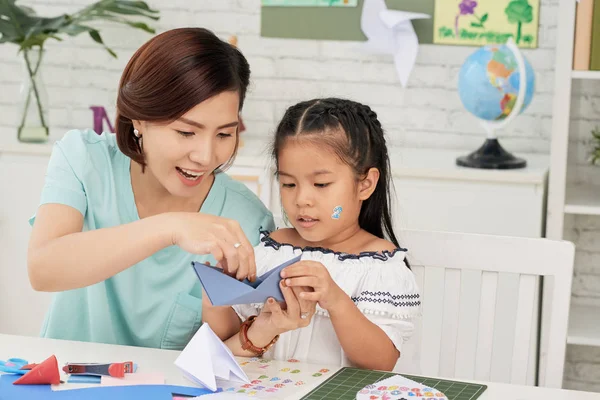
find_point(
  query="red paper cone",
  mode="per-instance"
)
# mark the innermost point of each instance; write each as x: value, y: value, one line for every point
x: 45, y: 373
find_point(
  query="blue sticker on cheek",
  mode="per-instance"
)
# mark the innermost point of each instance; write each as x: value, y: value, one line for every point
x: 336, y: 212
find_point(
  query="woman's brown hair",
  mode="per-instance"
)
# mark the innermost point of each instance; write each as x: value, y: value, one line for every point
x: 172, y: 73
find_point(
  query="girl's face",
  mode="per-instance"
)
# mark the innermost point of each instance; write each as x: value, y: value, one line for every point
x: 319, y: 193
x: 182, y: 155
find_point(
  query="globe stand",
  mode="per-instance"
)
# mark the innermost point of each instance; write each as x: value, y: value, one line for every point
x: 491, y: 155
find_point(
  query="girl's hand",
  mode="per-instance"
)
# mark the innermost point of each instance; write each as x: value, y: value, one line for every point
x: 314, y: 274
x: 199, y: 233
x: 295, y: 313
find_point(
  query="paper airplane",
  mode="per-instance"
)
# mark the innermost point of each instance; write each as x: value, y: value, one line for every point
x: 206, y: 358
x: 392, y: 32
x: 224, y: 290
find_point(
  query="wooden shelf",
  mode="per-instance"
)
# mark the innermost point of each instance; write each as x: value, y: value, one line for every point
x: 583, y: 199
x: 584, y: 326
x: 585, y: 74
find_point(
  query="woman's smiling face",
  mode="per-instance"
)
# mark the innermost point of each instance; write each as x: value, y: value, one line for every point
x: 181, y: 154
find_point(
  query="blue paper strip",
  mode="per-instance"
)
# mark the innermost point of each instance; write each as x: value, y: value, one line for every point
x: 8, y: 391
x: 84, y: 379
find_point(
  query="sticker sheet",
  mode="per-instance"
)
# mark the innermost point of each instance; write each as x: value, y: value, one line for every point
x: 270, y: 378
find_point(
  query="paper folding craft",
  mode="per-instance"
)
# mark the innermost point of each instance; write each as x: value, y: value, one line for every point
x: 392, y: 32
x: 206, y: 358
x: 224, y: 290
x: 45, y: 373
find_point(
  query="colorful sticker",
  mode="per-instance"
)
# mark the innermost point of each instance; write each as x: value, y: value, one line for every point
x: 270, y: 376
x: 337, y: 210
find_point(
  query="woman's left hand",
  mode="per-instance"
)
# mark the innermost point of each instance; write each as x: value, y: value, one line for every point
x: 314, y: 274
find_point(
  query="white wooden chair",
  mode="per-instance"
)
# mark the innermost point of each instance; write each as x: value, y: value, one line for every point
x: 481, y: 306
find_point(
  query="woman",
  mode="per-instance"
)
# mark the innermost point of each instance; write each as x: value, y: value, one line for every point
x: 122, y: 216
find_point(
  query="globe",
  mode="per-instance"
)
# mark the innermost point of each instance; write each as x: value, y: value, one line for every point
x: 488, y: 83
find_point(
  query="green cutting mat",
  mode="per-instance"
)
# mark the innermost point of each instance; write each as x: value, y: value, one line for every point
x: 345, y: 383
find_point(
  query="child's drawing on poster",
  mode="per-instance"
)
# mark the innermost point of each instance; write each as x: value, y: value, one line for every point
x: 481, y: 22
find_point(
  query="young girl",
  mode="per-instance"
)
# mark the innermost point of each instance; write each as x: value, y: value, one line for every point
x: 352, y: 298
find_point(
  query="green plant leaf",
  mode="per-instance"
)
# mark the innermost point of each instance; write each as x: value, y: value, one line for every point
x: 37, y: 40
x: 75, y: 29
x: 16, y: 22
x: 118, y: 8
x: 46, y: 26
x: 28, y: 10
x: 476, y: 25
x: 8, y: 32
x: 95, y: 35
x: 20, y: 25
x: 595, y: 142
x: 141, y: 25
x: 138, y: 4
x: 484, y: 18
x: 111, y: 52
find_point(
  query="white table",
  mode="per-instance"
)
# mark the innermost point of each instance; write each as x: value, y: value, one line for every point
x: 161, y: 361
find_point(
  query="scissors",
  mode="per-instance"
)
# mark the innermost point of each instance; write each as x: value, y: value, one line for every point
x: 14, y: 366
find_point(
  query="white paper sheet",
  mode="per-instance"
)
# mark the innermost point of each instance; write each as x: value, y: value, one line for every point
x: 207, y: 358
x: 391, y: 32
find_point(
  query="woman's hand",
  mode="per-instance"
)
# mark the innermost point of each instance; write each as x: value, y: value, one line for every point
x: 199, y: 233
x: 314, y: 274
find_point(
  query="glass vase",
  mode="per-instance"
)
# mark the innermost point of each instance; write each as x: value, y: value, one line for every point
x: 33, y: 104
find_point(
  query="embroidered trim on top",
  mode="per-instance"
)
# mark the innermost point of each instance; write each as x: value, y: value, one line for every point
x: 388, y: 301
x: 399, y: 300
x: 387, y: 295
x: 383, y: 256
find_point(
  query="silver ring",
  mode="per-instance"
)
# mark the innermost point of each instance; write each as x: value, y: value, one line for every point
x: 236, y: 245
x: 304, y: 315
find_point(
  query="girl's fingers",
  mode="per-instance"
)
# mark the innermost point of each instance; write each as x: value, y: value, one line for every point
x: 305, y: 306
x: 302, y: 268
x: 310, y: 281
x: 274, y: 307
x: 293, y: 307
x: 312, y: 297
x: 277, y: 314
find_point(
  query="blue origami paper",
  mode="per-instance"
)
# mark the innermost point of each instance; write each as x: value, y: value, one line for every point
x: 8, y: 391
x: 224, y: 290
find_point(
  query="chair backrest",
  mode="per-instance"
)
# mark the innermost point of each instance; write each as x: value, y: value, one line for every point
x: 484, y: 313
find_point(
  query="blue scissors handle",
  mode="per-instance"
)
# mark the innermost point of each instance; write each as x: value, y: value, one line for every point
x: 13, y: 366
